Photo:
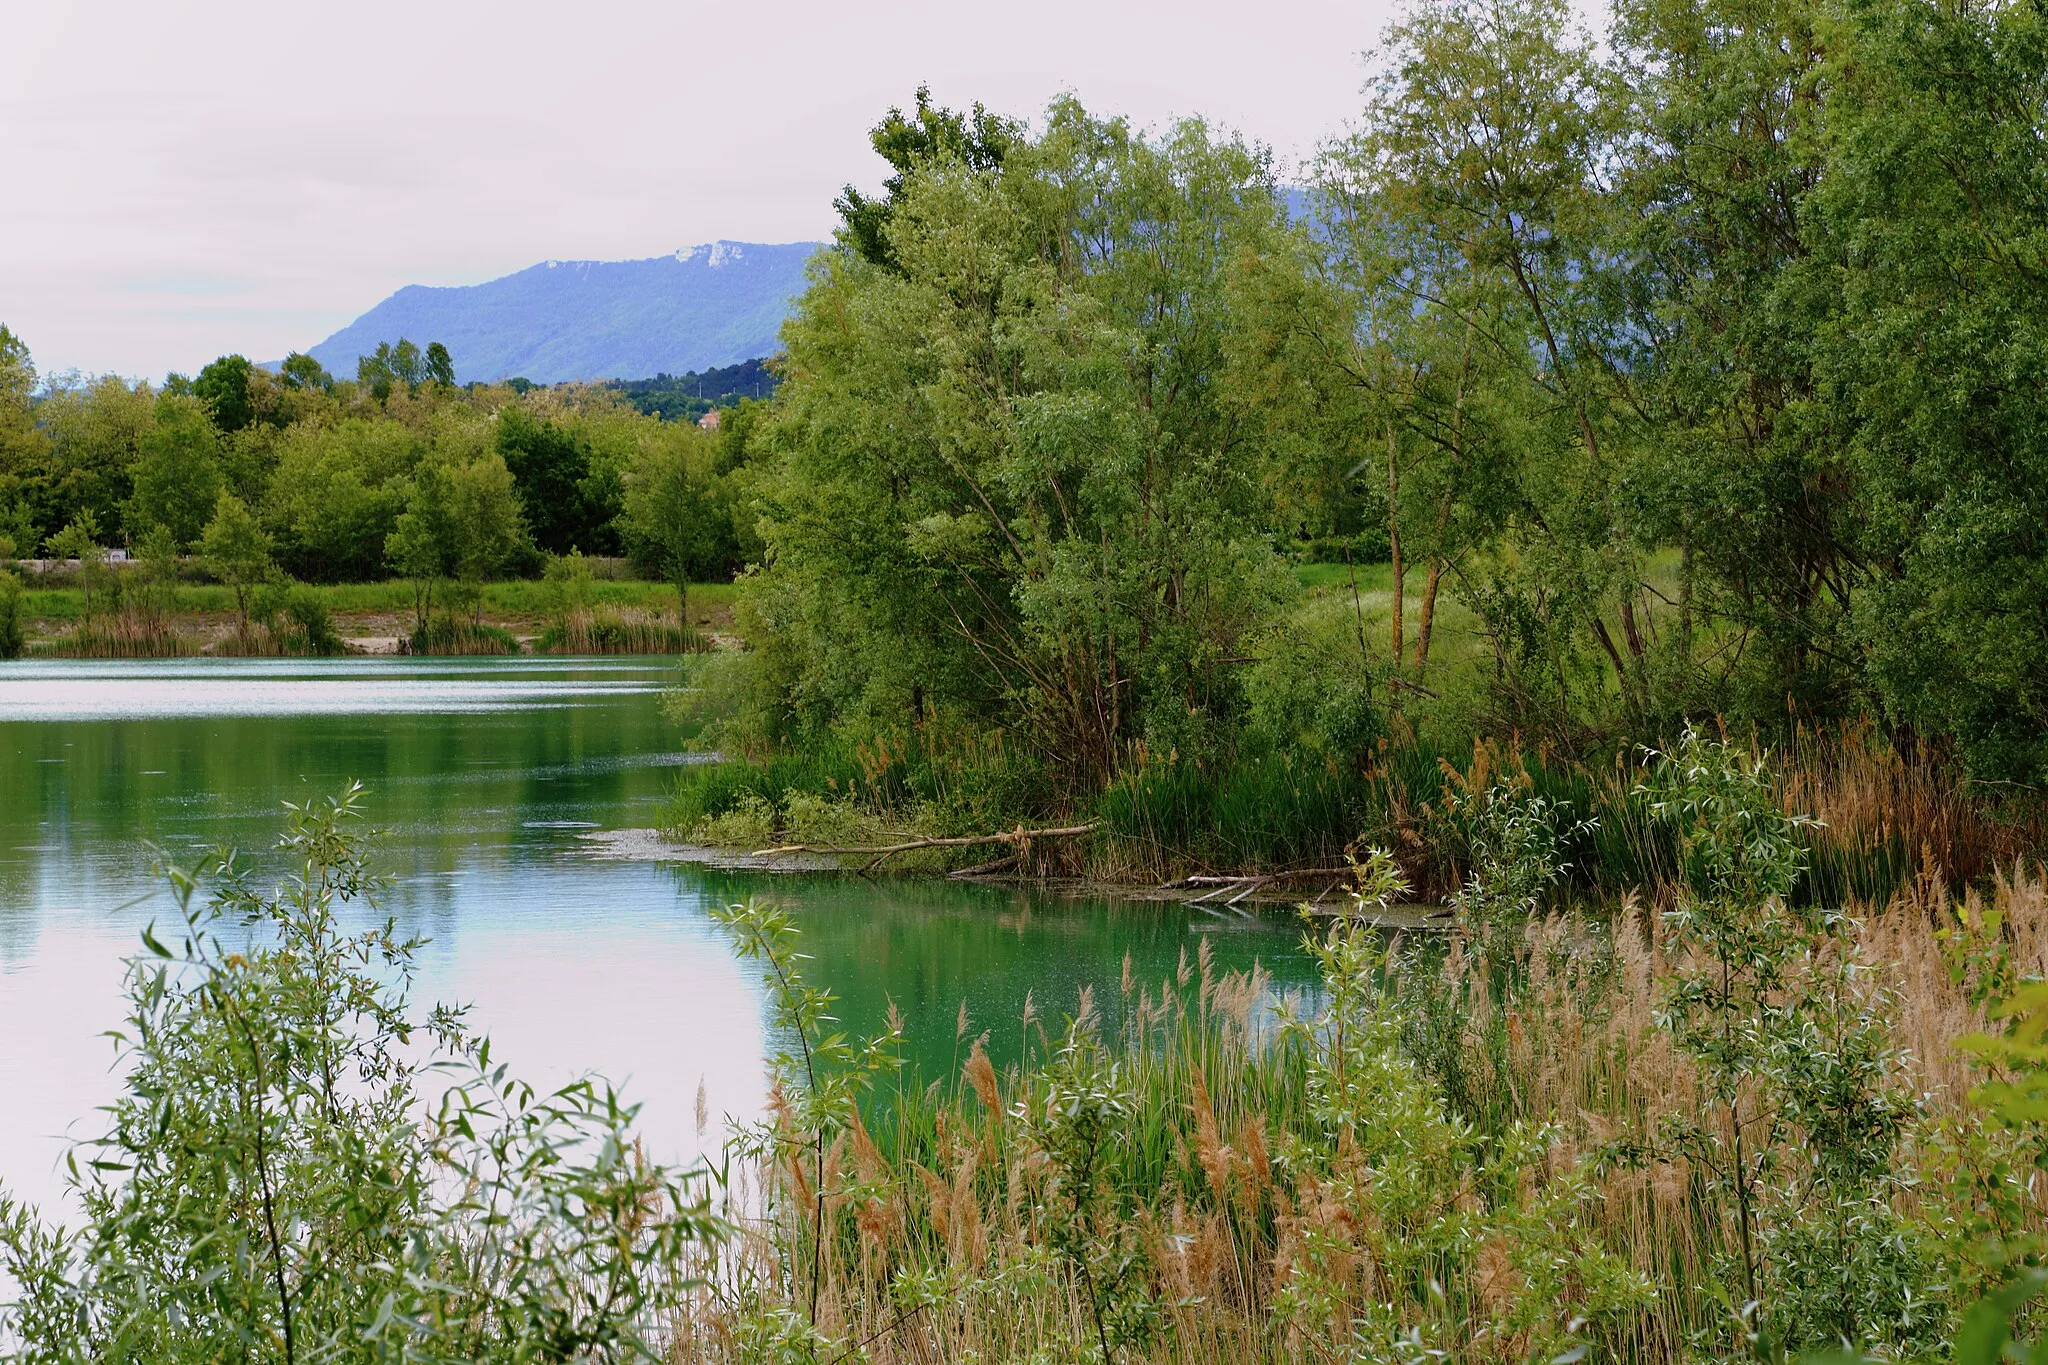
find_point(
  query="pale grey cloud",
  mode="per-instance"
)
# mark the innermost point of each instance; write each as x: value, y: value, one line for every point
x: 185, y: 180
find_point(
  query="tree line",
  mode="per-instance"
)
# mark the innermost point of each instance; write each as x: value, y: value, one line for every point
x: 1701, y: 367
x: 1696, y: 369
x: 396, y: 472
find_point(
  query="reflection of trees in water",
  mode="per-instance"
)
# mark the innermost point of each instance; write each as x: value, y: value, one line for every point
x: 926, y: 946
x: 451, y: 789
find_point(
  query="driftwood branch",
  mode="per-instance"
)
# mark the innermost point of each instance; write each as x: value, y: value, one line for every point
x: 1008, y: 860
x: 1020, y: 836
x: 1239, y: 887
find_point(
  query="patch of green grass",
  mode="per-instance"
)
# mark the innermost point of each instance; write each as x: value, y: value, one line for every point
x: 1370, y: 577
x: 515, y: 599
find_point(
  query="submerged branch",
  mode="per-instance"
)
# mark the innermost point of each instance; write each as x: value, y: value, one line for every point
x: 1020, y: 835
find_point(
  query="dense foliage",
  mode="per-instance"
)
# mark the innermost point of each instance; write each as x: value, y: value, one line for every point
x: 1696, y: 370
x: 302, y: 1167
x: 680, y: 397
x: 397, y: 472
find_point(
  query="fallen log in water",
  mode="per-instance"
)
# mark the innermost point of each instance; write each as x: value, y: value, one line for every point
x: 1239, y: 887
x: 1019, y: 836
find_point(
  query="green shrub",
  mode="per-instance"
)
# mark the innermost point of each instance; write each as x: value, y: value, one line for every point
x: 294, y: 620
x: 312, y: 628
x: 748, y: 823
x: 283, y: 1171
x: 707, y: 790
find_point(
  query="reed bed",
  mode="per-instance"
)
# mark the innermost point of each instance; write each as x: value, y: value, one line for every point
x: 452, y: 635
x: 1466, y: 1145
x: 119, y: 635
x: 608, y: 631
x: 1884, y: 818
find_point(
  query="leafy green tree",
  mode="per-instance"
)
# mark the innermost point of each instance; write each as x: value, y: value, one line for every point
x: 550, y: 467
x: 17, y: 374
x: 421, y: 545
x: 177, y: 478
x: 928, y: 134
x: 92, y: 437
x: 301, y: 371
x: 18, y: 539
x: 81, y: 541
x: 408, y: 366
x: 237, y: 551
x: 390, y: 366
x: 155, y: 592
x: 1933, y: 359
x: 1733, y: 469
x: 224, y: 387
x: 439, y: 366
x: 335, y: 494
x: 484, y: 514
x: 12, y: 637
x: 676, y: 516
x: 1472, y: 189
x: 17, y: 382
x: 1008, y: 482
x: 22, y: 446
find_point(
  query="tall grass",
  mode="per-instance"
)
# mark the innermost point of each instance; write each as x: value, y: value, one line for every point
x: 1455, y: 1150
x: 1262, y: 812
x: 605, y: 631
x: 455, y: 635
x: 119, y: 635
x: 1884, y: 818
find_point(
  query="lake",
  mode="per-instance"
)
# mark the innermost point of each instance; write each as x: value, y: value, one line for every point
x: 485, y: 777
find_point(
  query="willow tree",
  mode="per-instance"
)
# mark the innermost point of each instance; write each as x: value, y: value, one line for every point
x: 1011, y: 484
x: 1467, y: 226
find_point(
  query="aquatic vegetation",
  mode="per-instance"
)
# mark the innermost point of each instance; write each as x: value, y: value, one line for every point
x: 1597, y: 1153
x: 451, y: 634
x: 603, y: 631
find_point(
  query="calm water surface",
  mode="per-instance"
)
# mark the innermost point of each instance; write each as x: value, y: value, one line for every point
x: 483, y: 776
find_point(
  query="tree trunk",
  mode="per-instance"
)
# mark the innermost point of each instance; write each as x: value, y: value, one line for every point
x: 1685, y: 595
x: 1394, y: 536
x: 1427, y: 620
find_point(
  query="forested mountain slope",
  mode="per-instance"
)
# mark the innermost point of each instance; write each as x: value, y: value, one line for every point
x: 703, y: 307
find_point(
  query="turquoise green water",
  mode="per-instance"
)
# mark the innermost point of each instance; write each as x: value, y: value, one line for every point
x: 487, y: 777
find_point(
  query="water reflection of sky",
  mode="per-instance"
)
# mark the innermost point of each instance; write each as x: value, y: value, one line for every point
x: 73, y: 690
x: 484, y: 775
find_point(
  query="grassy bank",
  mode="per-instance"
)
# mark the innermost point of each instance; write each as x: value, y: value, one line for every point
x: 1350, y: 758
x: 202, y: 618
x: 1884, y: 819
x: 1744, y: 1127
x: 1501, y: 1146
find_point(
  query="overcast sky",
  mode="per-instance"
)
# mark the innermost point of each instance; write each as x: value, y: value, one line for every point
x: 187, y: 180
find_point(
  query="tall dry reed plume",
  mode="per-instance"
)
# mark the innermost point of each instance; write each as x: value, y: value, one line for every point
x: 936, y: 1247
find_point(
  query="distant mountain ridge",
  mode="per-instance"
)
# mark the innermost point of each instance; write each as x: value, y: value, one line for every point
x: 702, y: 308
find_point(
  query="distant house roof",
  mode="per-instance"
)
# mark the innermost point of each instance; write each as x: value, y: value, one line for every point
x: 709, y: 421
